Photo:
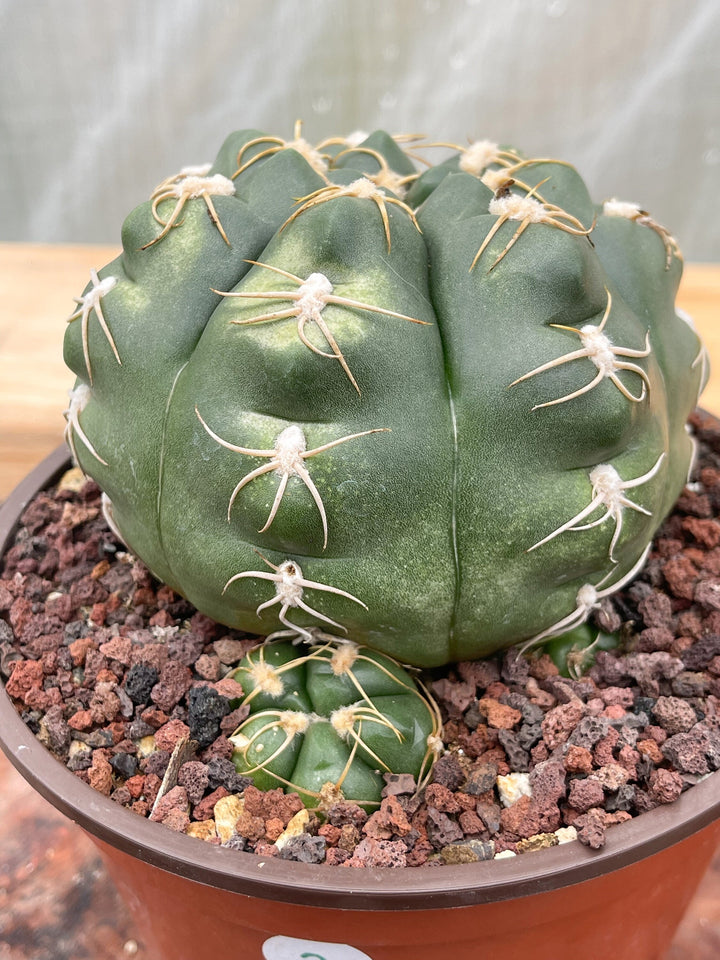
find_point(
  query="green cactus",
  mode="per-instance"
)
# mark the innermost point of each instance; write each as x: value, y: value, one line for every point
x: 329, y: 720
x: 456, y: 415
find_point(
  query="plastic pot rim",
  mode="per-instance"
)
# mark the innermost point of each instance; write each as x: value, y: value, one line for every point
x: 317, y: 884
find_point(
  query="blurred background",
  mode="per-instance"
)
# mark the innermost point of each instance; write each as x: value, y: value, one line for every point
x: 100, y: 100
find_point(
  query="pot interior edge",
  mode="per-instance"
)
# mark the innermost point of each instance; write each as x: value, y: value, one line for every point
x: 319, y: 885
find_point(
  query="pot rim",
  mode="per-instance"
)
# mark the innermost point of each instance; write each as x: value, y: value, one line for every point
x: 316, y: 884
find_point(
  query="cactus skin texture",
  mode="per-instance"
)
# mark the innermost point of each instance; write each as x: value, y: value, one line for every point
x: 328, y: 720
x: 458, y: 415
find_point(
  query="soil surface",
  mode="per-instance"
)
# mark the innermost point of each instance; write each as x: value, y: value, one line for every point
x: 127, y: 685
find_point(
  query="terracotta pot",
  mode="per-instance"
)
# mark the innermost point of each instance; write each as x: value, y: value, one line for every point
x: 194, y: 901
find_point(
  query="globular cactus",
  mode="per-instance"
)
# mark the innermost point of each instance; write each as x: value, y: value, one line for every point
x: 329, y: 720
x: 439, y: 414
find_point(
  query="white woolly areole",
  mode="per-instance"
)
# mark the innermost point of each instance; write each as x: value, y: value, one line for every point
x: 363, y: 188
x: 98, y: 290
x: 293, y: 722
x: 587, y: 597
x: 607, y: 484
x: 355, y: 138
x: 494, y: 179
x: 266, y: 678
x: 342, y: 721
x: 622, y: 208
x: 478, y: 156
x: 515, y: 207
x: 308, y: 152
x: 287, y: 588
x: 193, y: 187
x: 313, y: 294
x: 288, y: 447
x: 599, y: 348
x: 78, y: 400
x: 343, y: 658
x: 196, y: 170
x: 512, y: 787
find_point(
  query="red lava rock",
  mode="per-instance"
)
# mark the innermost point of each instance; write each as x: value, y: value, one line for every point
x: 273, y: 828
x: 228, y: 687
x: 26, y: 675
x: 193, y: 775
x: 705, y: 531
x: 81, y: 720
x: 559, y: 723
x: 674, y: 715
x: 498, y: 715
x: 665, y: 786
x: 174, y: 799
x: 204, y: 809
x: 176, y: 820
x: 119, y: 648
x: 680, y: 575
x: 578, y: 759
x: 135, y: 785
x: 100, y: 774
x: 174, y: 682
x: 390, y: 820
x: 522, y: 819
x: 591, y: 828
x: 585, y: 794
x: 335, y: 857
x: 208, y: 667
x: 155, y: 718
x: 441, y: 798
x: 378, y: 853
x: 169, y: 733
x: 707, y: 593
x: 250, y: 827
x: 331, y: 834
x: 104, y: 704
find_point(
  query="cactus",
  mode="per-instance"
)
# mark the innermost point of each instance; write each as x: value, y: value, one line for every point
x: 329, y: 720
x: 440, y: 414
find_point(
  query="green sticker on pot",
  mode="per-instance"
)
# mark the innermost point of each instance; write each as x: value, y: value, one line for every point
x: 292, y: 948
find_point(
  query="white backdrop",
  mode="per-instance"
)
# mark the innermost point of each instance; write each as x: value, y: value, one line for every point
x: 100, y: 99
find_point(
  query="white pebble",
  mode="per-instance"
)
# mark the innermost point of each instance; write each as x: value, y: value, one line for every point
x: 512, y: 787
x: 566, y: 834
x: 504, y: 855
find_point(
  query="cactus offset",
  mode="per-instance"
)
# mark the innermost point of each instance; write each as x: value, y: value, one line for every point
x: 329, y: 720
x: 449, y: 419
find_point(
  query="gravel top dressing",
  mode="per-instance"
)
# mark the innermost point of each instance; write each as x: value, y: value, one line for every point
x: 127, y: 685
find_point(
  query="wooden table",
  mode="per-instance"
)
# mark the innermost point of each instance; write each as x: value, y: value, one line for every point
x: 49, y: 863
x: 37, y: 286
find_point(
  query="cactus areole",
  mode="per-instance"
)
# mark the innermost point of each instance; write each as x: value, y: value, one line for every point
x: 437, y: 414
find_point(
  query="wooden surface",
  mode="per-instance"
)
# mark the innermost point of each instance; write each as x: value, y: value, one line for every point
x: 56, y: 902
x: 37, y: 286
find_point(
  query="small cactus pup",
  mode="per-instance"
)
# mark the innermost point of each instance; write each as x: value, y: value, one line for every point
x: 574, y: 652
x: 440, y: 412
x: 329, y: 719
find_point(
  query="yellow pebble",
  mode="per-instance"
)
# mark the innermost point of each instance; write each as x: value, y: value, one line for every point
x: 228, y: 811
